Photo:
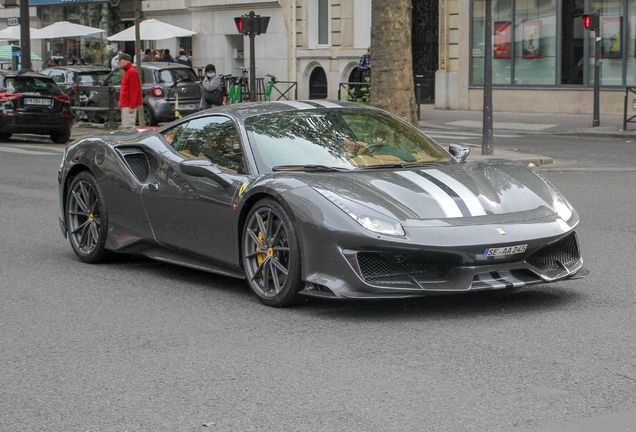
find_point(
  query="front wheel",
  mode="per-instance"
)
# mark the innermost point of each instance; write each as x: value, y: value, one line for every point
x: 271, y: 255
x: 87, y: 218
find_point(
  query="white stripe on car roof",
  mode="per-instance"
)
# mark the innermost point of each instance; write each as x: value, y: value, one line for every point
x: 298, y: 105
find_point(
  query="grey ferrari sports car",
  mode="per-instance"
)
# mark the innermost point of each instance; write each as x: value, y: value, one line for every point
x: 316, y: 198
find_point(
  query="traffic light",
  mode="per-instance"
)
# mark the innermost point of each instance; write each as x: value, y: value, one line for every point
x: 243, y: 24
x: 590, y: 22
x: 251, y: 24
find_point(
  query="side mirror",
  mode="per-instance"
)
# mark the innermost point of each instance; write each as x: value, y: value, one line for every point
x: 460, y: 153
x: 203, y: 167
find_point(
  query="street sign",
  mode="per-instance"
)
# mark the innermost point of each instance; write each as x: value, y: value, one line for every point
x: 13, y: 21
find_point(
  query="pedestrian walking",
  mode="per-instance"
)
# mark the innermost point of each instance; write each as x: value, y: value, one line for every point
x: 114, y: 63
x: 211, y: 94
x: 364, y: 65
x: 129, y: 93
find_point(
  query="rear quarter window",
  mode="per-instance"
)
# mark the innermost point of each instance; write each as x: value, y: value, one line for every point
x: 26, y: 84
x: 169, y: 76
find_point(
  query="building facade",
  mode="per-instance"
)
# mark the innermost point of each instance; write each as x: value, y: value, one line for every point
x: 543, y: 57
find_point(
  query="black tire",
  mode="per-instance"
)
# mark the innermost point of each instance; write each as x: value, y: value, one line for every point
x: 87, y: 219
x: 60, y: 137
x: 5, y: 136
x: 149, y: 118
x: 271, y: 254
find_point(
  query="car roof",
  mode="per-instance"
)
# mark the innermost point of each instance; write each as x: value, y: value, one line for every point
x: 163, y: 65
x: 13, y: 73
x: 241, y: 111
x: 80, y: 68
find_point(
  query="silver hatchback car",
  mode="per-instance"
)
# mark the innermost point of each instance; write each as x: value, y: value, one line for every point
x: 166, y: 88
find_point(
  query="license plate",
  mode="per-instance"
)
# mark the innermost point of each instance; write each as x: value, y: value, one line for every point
x: 510, y: 250
x: 37, y: 101
x: 188, y: 106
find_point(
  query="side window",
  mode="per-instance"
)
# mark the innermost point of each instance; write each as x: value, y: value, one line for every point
x: 216, y: 138
x: 148, y: 76
x: 173, y: 135
x: 58, y: 76
x: 165, y: 76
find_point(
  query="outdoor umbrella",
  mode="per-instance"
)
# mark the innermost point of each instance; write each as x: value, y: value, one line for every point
x: 65, y: 29
x: 13, y: 33
x: 6, y: 53
x: 151, y: 29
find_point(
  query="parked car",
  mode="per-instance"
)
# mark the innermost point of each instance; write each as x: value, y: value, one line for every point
x: 162, y: 84
x: 70, y: 77
x: 33, y: 103
x: 318, y: 198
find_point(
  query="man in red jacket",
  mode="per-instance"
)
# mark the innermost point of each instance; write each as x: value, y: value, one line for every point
x: 130, y: 92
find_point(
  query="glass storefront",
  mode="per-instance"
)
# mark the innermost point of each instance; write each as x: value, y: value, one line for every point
x: 544, y: 42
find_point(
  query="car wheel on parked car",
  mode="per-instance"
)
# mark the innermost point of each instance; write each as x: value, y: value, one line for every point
x: 271, y: 254
x: 149, y: 118
x: 87, y: 218
x: 60, y: 137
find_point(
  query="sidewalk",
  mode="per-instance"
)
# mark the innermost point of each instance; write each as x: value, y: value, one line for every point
x: 472, y: 121
x: 523, y: 124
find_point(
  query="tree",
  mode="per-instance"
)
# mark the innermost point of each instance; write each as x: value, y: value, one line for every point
x: 392, y: 85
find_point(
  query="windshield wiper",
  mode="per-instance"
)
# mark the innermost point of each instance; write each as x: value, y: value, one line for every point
x: 399, y: 165
x: 308, y: 167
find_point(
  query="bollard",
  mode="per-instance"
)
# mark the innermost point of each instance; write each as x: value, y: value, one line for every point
x: 111, y: 124
x: 418, y: 99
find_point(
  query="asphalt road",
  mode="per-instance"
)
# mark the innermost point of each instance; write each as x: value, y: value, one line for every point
x: 138, y: 345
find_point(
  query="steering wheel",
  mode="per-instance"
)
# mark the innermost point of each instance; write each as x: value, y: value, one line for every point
x: 373, y: 145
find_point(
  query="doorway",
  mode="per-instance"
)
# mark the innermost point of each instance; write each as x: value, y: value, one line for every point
x: 572, y: 41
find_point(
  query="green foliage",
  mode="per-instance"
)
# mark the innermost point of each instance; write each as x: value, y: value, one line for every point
x: 359, y: 93
x: 90, y: 56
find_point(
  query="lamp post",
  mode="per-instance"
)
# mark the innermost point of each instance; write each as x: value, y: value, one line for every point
x: 25, y: 35
x: 487, y: 134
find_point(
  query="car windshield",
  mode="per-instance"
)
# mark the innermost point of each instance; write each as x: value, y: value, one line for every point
x: 28, y: 84
x: 338, y: 138
x: 169, y: 76
x: 115, y: 77
x: 91, y: 78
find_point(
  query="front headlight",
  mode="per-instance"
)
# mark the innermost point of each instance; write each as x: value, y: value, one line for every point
x: 563, y: 209
x: 366, y: 217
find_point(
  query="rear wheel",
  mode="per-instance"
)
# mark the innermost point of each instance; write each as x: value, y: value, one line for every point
x: 271, y: 254
x: 60, y: 137
x: 87, y: 218
x: 149, y: 118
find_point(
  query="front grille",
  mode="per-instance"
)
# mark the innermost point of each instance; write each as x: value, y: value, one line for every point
x: 388, y: 269
x: 139, y: 165
x: 564, y: 252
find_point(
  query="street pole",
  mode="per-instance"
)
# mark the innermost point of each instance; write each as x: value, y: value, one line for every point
x: 252, y: 59
x: 596, y: 121
x: 140, y: 111
x: 487, y: 135
x: 25, y: 35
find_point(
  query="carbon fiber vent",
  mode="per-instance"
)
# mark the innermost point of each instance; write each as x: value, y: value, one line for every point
x: 565, y: 252
x: 388, y: 269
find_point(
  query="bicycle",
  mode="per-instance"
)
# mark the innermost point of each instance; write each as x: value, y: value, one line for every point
x: 270, y: 86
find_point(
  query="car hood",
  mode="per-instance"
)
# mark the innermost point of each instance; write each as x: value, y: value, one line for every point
x: 458, y: 193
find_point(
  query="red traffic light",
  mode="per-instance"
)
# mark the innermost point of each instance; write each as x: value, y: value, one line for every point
x: 243, y: 24
x: 590, y: 22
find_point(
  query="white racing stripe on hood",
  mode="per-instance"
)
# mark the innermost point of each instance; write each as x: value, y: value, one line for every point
x: 446, y: 203
x: 472, y: 202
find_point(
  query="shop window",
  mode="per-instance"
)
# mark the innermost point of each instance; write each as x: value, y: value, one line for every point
x: 535, y: 43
